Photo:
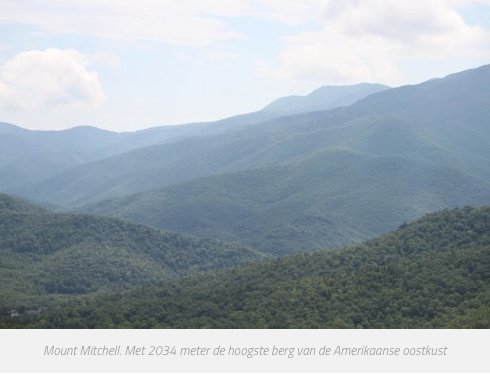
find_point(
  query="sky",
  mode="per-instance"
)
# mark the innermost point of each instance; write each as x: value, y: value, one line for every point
x: 125, y: 65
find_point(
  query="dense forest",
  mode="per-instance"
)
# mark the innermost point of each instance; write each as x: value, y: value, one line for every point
x: 334, y: 199
x: 49, y: 256
x: 433, y: 273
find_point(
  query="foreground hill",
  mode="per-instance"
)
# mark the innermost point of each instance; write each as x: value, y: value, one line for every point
x: 432, y: 273
x: 45, y: 254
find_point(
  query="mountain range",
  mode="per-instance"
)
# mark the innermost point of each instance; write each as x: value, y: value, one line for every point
x: 319, y: 179
x: 312, y: 180
x: 27, y: 157
x: 244, y: 222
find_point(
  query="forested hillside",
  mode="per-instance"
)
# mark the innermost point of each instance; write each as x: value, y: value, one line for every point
x: 327, y: 201
x: 44, y: 255
x: 432, y: 273
x: 17, y: 205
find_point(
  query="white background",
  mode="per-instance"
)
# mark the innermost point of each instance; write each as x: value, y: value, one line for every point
x: 22, y: 351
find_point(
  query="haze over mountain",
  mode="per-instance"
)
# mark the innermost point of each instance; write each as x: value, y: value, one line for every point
x: 30, y: 156
x: 322, y: 99
x: 314, y: 180
x: 421, y: 122
x: 27, y: 157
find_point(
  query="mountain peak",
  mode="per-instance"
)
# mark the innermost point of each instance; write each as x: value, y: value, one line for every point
x: 87, y: 129
x: 7, y: 128
x: 324, y: 98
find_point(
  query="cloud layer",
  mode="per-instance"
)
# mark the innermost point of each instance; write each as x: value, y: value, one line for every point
x: 39, y: 80
x: 367, y: 40
x: 174, y: 22
x: 362, y: 40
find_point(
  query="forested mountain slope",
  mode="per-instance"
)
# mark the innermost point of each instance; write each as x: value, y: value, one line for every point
x: 18, y: 205
x: 432, y: 273
x: 332, y: 199
x: 440, y: 122
x: 46, y: 254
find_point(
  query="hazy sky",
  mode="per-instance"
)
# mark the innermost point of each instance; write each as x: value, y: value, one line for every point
x: 126, y: 65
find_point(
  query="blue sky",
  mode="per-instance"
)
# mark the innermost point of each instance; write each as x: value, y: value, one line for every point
x: 127, y: 65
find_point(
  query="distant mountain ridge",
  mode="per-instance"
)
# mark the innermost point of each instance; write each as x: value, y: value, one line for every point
x: 28, y: 157
x: 324, y: 98
x: 455, y: 127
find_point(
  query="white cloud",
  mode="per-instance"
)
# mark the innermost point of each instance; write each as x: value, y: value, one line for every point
x: 291, y: 12
x: 331, y: 41
x: 368, y: 40
x: 191, y: 23
x: 104, y: 58
x: 175, y: 22
x: 39, y: 80
x: 465, y: 3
